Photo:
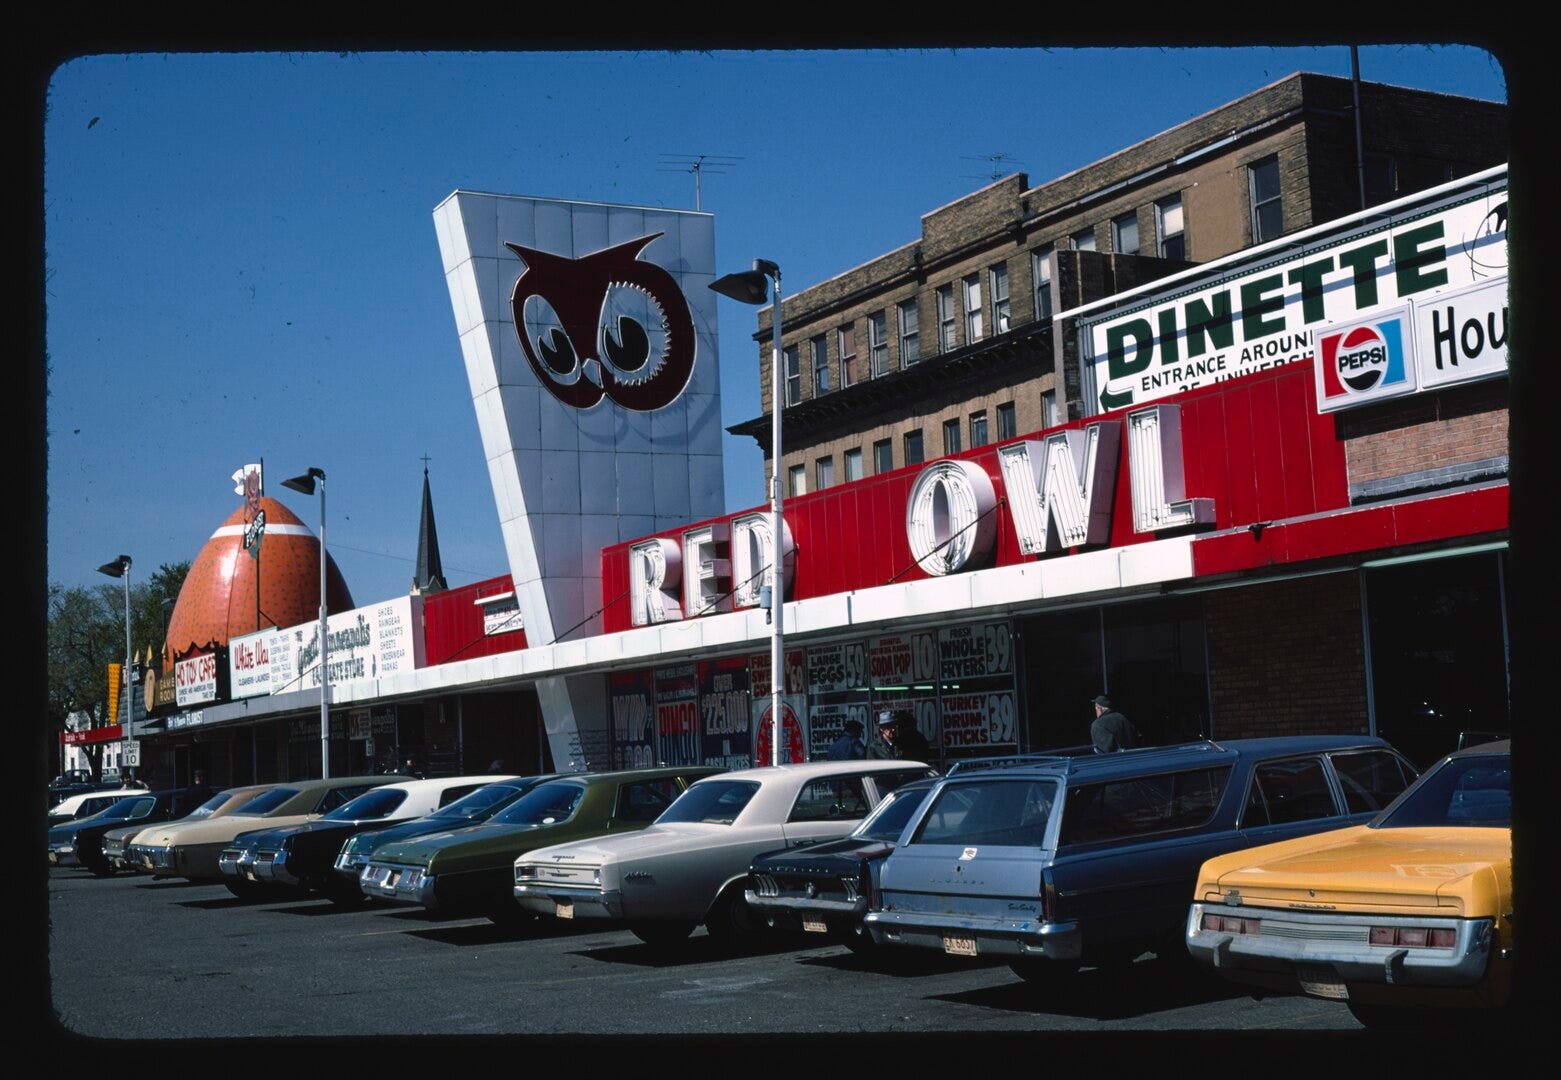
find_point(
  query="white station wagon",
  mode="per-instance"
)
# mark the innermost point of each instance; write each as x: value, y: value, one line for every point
x: 691, y: 865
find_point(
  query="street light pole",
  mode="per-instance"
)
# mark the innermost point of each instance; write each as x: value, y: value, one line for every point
x: 305, y: 484
x: 120, y: 568
x: 752, y: 287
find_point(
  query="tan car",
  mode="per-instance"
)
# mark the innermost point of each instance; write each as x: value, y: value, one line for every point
x: 195, y: 849
x: 125, y: 850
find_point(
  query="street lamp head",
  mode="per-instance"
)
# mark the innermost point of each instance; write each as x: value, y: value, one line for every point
x: 116, y: 568
x: 305, y: 483
x: 750, y: 286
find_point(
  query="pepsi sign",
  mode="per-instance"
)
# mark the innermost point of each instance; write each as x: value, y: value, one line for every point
x: 1364, y: 360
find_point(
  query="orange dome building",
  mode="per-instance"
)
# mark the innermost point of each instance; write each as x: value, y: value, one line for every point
x: 217, y: 601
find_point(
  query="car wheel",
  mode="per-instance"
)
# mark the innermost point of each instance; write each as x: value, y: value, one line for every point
x: 661, y: 933
x: 859, y: 941
x: 1044, y: 973
x: 732, y: 923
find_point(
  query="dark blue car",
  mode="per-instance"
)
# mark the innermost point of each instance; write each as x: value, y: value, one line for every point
x: 80, y: 842
x: 1053, y: 862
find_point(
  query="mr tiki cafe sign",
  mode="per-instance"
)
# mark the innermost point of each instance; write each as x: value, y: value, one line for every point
x: 1060, y: 488
x: 1246, y: 314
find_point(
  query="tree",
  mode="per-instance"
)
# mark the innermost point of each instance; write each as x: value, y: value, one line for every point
x: 86, y: 633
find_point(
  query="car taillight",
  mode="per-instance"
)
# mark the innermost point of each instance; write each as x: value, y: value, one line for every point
x: 867, y: 886
x: 1415, y: 937
x: 1228, y: 924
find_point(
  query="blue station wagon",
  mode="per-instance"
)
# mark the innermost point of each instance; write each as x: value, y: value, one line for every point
x: 1055, y: 861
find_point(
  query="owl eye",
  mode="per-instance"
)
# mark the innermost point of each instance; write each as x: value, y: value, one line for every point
x: 544, y: 329
x: 634, y: 335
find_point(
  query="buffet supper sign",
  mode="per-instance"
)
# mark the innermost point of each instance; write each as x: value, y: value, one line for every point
x: 1264, y: 312
x: 364, y: 643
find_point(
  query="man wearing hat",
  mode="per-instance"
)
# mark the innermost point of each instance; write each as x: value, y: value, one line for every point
x: 909, y: 742
x: 849, y: 746
x: 1111, y: 730
x: 882, y: 744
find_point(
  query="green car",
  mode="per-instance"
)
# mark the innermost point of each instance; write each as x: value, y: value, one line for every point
x: 471, y: 870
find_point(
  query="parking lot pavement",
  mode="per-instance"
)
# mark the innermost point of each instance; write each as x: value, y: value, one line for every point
x: 141, y: 959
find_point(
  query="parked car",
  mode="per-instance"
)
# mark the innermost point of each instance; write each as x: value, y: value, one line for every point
x: 1056, y: 862
x: 138, y: 849
x: 827, y: 888
x: 80, y: 842
x: 301, y: 856
x: 471, y: 869
x: 194, y: 849
x: 78, y: 782
x: 84, y: 804
x: 1403, y: 919
x: 691, y: 866
x: 479, y: 806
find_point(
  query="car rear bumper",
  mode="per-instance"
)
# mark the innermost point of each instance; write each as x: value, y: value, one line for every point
x: 401, y: 884
x: 580, y: 903
x: 999, y: 937
x: 1305, y: 948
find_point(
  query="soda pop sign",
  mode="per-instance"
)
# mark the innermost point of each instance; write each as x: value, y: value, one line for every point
x: 1364, y: 360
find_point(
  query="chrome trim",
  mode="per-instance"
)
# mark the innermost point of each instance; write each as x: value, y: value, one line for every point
x: 1004, y: 937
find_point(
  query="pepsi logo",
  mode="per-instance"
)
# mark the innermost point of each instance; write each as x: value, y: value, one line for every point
x: 1362, y: 358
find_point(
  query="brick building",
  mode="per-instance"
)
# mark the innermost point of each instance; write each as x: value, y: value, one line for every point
x: 946, y: 343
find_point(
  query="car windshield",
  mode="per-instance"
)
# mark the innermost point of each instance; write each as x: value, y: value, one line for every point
x: 548, y: 804
x: 125, y: 809
x: 371, y: 804
x: 209, y: 807
x: 482, y: 802
x: 715, y: 802
x: 889, y: 820
x: 1000, y: 813
x: 264, y: 804
x: 1474, y: 792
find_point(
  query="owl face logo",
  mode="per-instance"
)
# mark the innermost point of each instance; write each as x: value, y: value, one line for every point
x: 606, y: 325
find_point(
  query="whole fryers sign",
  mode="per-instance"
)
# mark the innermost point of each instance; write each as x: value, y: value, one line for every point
x: 1263, y: 311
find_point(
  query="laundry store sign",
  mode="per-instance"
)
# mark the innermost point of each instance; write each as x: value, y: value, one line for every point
x: 1265, y: 311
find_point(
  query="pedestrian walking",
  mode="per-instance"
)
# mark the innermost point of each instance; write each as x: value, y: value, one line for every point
x: 1111, y: 731
x: 881, y: 746
x: 849, y: 747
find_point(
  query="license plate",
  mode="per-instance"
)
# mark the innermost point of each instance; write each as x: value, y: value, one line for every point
x: 392, y: 877
x: 1322, y: 982
x: 959, y: 946
x: 813, y: 926
x: 53, y: 859
x: 250, y: 874
x: 564, y: 909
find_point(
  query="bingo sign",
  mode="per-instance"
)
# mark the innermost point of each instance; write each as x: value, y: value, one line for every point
x: 1365, y: 360
x: 678, y: 730
x: 725, y: 711
x: 976, y: 672
x: 195, y: 679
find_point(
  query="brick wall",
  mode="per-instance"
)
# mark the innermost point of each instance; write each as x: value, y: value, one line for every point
x: 1425, y: 431
x: 1286, y: 658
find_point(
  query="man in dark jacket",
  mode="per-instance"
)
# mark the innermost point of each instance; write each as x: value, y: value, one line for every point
x: 909, y: 741
x: 1111, y: 730
x: 849, y: 746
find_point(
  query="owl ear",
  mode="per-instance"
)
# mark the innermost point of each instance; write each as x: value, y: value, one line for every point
x: 630, y: 249
x: 532, y: 257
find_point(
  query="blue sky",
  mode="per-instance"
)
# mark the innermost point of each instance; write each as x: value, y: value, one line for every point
x: 241, y: 260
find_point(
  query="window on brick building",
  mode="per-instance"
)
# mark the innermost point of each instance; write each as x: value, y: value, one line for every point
x: 1381, y: 178
x: 793, y: 373
x: 797, y: 480
x: 883, y: 456
x: 978, y: 429
x: 852, y: 460
x: 1124, y: 234
x: 1084, y: 240
x: 1268, y: 218
x: 1048, y: 408
x: 824, y: 473
x: 946, y: 319
x: 951, y: 440
x: 878, y: 344
x: 913, y: 451
x: 1172, y: 242
x: 910, y: 350
x: 1007, y: 424
x: 847, y: 336
x: 1041, y: 275
x: 972, y: 309
x: 820, y: 347
x: 998, y: 276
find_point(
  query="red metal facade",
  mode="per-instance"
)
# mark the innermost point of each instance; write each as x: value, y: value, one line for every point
x: 452, y: 624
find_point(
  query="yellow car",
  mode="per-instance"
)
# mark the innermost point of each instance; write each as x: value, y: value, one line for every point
x: 1403, y: 918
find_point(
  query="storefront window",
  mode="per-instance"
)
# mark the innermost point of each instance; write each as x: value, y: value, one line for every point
x: 1438, y: 653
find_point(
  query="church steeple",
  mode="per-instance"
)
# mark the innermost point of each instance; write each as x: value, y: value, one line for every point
x: 429, y: 577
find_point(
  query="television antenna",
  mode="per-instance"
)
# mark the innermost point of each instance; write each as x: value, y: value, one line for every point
x: 995, y: 165
x: 698, y: 164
